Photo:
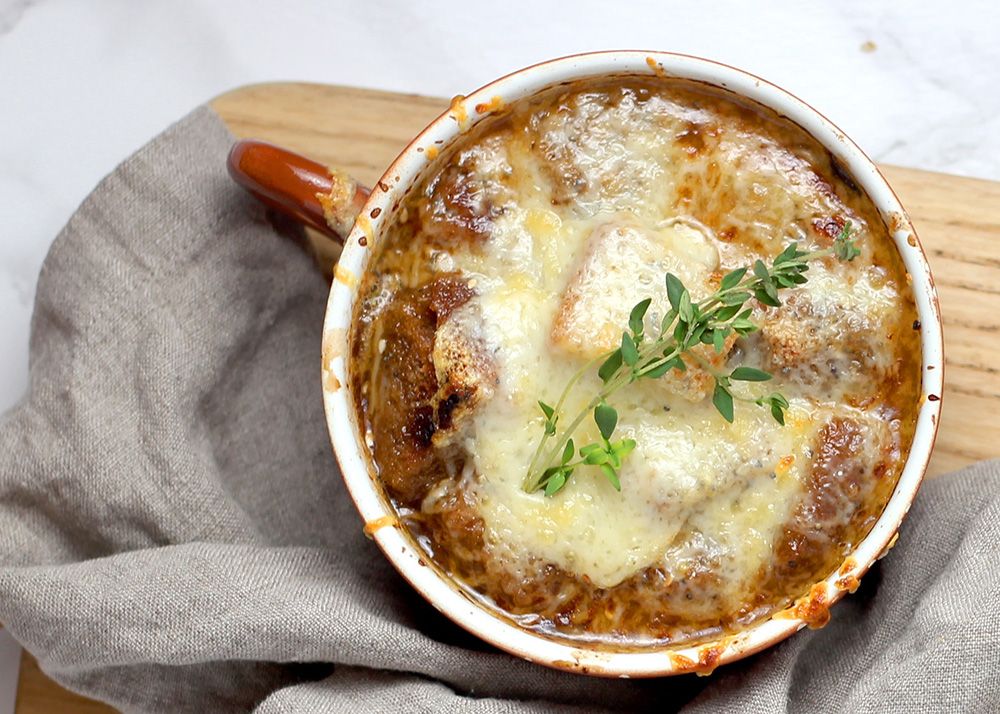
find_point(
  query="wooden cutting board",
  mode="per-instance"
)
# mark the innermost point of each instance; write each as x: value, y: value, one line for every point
x: 957, y: 220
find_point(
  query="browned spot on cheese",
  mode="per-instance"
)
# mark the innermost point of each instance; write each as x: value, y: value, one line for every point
x: 830, y: 226
x: 784, y: 464
x: 708, y: 659
x: 494, y: 105
x: 848, y: 565
x: 371, y: 527
x: 682, y: 663
x: 691, y: 141
x: 656, y: 67
x: 848, y: 580
x: 850, y: 583
x: 457, y: 111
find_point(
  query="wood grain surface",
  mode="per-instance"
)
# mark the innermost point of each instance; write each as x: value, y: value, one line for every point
x: 957, y: 220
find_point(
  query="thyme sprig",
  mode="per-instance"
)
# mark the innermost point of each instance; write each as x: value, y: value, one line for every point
x: 686, y: 325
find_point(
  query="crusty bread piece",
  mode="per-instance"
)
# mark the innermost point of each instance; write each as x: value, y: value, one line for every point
x: 794, y: 335
x: 625, y: 262
x: 829, y: 335
x: 466, y: 372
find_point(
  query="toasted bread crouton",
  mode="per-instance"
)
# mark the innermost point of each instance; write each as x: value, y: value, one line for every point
x: 793, y: 335
x: 466, y: 197
x: 625, y: 262
x: 466, y: 372
x: 403, y: 382
x: 822, y: 339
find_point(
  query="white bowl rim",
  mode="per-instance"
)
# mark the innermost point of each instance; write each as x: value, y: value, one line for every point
x: 348, y: 440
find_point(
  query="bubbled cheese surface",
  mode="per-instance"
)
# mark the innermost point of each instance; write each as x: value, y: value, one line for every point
x: 696, y: 489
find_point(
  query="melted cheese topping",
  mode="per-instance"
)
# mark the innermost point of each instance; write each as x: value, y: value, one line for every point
x: 612, y: 247
x: 578, y: 206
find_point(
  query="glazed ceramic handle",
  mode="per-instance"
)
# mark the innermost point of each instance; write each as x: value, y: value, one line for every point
x: 324, y: 198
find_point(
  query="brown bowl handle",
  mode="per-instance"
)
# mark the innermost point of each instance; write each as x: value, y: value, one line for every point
x: 326, y: 199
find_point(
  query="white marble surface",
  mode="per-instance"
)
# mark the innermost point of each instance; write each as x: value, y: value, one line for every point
x: 84, y: 84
